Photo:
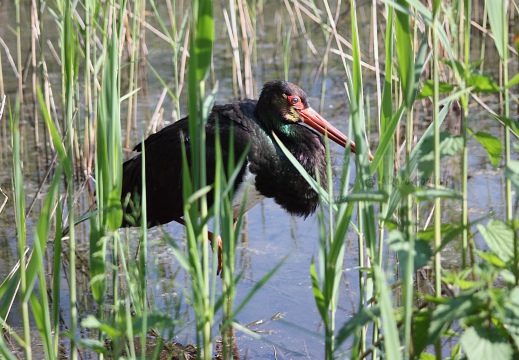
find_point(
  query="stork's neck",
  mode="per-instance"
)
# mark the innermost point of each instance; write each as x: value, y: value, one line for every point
x: 289, y: 133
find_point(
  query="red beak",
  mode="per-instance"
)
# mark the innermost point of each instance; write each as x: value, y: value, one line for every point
x: 318, y: 123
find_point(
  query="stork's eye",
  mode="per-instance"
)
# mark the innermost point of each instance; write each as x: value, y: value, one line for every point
x: 294, y: 100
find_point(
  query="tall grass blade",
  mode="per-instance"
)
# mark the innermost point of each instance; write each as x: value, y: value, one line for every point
x: 366, y: 213
x: 311, y: 181
x: 498, y: 18
x: 436, y: 153
x: 414, y: 160
x: 108, y: 163
x: 56, y: 275
x: 497, y: 13
x: 19, y: 200
x: 201, y: 46
x: 405, y: 53
x: 57, y: 142
x: 391, y: 340
x: 36, y: 267
x: 65, y: 164
x: 388, y: 121
x: 69, y: 61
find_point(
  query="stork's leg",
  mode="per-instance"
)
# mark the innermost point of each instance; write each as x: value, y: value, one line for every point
x: 220, y: 249
x: 212, y: 237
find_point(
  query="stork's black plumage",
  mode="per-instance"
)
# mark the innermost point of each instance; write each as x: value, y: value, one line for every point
x: 281, y: 109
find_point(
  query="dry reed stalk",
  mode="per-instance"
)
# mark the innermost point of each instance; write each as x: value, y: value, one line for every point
x: 3, y: 139
x: 324, y: 63
x: 303, y: 29
x: 6, y: 198
x: 2, y: 106
x: 233, y: 38
x: 10, y: 59
x: 34, y: 37
x: 147, y: 25
x: 340, y: 39
x: 133, y: 43
x: 183, y: 62
x: 89, y: 142
x: 317, y: 20
x: 291, y: 17
x: 2, y: 90
x: 3, y: 143
x: 154, y: 125
x: 54, y: 53
x: 177, y: 86
x: 374, y: 23
x: 19, y: 53
x: 43, y: 182
x: 246, y: 34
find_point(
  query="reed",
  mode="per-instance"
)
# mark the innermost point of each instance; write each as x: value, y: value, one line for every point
x: 437, y: 180
x: 498, y: 19
x: 68, y: 60
x: 465, y: 27
x: 19, y: 198
x: 409, y: 85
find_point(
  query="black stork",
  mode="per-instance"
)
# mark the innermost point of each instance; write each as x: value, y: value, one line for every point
x: 283, y: 110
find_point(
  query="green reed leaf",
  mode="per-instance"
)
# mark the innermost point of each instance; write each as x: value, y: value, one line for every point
x: 56, y: 269
x: 404, y: 50
x: 386, y: 142
x: 499, y: 237
x: 421, y: 252
x: 497, y: 13
x: 320, y: 301
x: 492, y: 145
x: 90, y: 322
x: 512, y: 315
x: 56, y: 139
x: 361, y: 318
x: 204, y: 38
x: 416, y: 156
x: 42, y: 228
x: 421, y: 323
x: 482, y: 343
x: 513, y: 81
x: 97, y: 258
x: 482, y: 83
x: 513, y: 125
x: 431, y: 194
x: 365, y: 196
x: 388, y: 121
x: 311, y: 181
x: 512, y: 173
x: 449, y: 146
x: 428, y: 87
x: 446, y: 312
x: 391, y: 338
x: 108, y: 150
x: 8, y: 291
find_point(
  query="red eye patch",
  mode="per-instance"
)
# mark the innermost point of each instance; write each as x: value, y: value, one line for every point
x: 295, y: 101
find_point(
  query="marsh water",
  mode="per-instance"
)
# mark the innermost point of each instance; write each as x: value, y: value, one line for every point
x: 283, y: 312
